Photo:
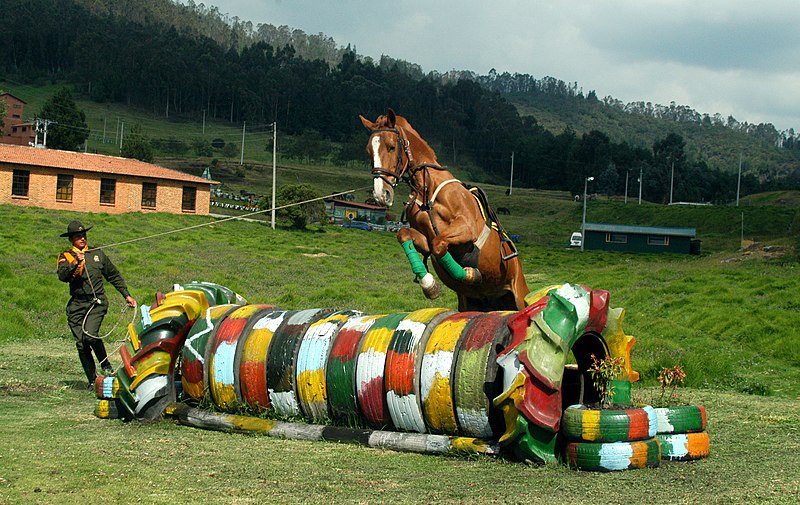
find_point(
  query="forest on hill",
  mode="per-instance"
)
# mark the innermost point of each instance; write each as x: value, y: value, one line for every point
x: 184, y: 61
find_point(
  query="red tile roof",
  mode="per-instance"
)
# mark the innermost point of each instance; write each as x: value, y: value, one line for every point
x: 97, y: 163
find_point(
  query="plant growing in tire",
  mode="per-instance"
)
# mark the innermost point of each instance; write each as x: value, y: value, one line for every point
x: 609, y: 436
x: 681, y: 428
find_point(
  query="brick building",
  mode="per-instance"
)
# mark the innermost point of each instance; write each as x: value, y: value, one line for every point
x: 14, y: 130
x: 67, y: 180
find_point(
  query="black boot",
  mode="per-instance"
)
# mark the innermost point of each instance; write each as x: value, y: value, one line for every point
x: 100, y: 352
x: 87, y: 361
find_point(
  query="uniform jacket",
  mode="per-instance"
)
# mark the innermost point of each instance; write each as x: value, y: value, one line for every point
x: 96, y: 266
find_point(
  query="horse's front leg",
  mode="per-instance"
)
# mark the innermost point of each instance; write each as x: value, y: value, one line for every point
x: 414, y: 243
x: 456, y: 234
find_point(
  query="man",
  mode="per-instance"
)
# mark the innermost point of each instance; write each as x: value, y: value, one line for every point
x: 84, y: 270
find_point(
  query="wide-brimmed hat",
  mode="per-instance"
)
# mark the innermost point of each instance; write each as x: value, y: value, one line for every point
x: 75, y: 228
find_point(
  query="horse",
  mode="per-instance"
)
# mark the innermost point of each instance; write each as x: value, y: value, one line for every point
x: 450, y: 222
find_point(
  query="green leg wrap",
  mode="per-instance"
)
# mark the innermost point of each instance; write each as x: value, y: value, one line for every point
x: 455, y: 270
x: 413, y: 257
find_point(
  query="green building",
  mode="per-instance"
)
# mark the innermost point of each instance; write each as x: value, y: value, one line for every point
x: 647, y: 239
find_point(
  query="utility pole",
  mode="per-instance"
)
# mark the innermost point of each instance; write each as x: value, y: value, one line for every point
x: 241, y: 160
x: 104, y: 129
x: 583, y: 220
x: 204, y: 121
x: 274, y: 171
x: 739, y: 181
x: 47, y: 122
x: 640, y: 185
x: 121, y: 134
x: 626, y: 185
x: 36, y: 130
x: 511, y: 180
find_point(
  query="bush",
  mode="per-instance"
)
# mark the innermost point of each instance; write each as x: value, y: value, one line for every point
x: 299, y: 215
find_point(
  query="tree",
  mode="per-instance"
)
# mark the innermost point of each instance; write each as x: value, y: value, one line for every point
x: 299, y: 215
x: 68, y: 129
x: 136, y: 145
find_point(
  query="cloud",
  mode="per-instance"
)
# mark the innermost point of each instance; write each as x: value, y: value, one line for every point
x: 732, y: 57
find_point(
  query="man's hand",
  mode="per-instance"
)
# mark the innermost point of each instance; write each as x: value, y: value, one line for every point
x: 131, y: 301
x: 80, y: 256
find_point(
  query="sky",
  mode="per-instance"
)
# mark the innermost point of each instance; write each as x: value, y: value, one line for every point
x: 732, y: 57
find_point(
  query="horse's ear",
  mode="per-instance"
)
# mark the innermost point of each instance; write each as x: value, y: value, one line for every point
x: 391, y: 118
x: 367, y: 123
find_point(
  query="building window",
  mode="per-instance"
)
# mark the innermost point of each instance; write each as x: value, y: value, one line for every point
x: 189, y: 199
x: 658, y: 240
x: 64, y: 188
x: 108, y: 191
x: 617, y: 238
x: 20, y: 181
x: 149, y: 195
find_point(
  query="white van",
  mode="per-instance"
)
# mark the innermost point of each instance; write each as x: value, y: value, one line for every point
x: 576, y: 239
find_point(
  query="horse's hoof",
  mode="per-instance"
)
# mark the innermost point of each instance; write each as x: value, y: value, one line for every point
x: 473, y: 275
x: 433, y: 292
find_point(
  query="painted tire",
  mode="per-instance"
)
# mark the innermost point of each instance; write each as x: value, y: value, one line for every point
x: 370, y: 370
x: 312, y: 390
x: 340, y: 373
x: 681, y: 419
x: 437, y: 372
x: 282, y: 359
x: 608, y: 425
x: 153, y: 394
x: 252, y: 376
x: 684, y: 446
x: 403, y: 361
x: 107, y: 409
x: 222, y: 366
x: 194, y: 352
x: 476, y: 374
x: 608, y: 457
x: 106, y: 387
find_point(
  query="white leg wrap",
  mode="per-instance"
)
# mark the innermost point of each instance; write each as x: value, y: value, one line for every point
x: 427, y: 281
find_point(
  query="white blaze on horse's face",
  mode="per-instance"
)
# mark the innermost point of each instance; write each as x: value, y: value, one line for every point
x: 381, y: 191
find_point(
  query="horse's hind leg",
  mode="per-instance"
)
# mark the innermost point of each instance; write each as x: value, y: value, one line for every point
x: 414, y: 244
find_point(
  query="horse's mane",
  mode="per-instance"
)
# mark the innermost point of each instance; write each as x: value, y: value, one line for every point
x: 420, y: 148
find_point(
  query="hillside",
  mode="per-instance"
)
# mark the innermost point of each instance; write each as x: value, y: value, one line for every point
x: 166, y: 69
x: 718, y: 145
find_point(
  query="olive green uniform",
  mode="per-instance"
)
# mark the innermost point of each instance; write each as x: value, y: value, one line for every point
x: 87, y: 296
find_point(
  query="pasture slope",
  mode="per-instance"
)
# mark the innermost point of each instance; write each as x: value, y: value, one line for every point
x: 728, y: 316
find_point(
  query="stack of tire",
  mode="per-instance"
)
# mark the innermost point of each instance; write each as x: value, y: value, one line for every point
x: 107, y: 391
x: 682, y: 432
x: 610, y: 439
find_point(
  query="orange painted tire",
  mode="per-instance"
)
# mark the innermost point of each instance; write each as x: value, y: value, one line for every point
x: 684, y: 446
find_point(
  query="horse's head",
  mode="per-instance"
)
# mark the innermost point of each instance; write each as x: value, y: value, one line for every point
x: 389, y: 150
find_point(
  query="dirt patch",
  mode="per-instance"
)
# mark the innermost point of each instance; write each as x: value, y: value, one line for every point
x: 319, y: 255
x: 758, y: 250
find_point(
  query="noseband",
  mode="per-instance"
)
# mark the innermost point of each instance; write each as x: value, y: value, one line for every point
x: 403, y: 162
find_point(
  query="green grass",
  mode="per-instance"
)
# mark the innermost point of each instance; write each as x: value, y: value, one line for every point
x: 729, y: 317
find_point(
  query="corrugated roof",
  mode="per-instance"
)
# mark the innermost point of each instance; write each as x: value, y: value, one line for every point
x: 643, y: 230
x: 97, y: 163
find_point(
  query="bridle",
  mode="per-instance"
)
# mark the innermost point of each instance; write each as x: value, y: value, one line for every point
x: 405, y: 168
x: 404, y: 159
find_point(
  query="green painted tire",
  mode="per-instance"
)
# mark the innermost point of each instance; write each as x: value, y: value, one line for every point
x: 681, y: 419
x: 614, y: 456
x: 581, y: 423
x: 684, y: 446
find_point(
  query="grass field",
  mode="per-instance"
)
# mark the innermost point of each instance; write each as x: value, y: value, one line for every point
x: 728, y: 316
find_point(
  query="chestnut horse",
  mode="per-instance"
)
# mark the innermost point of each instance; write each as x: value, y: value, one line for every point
x: 450, y: 222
